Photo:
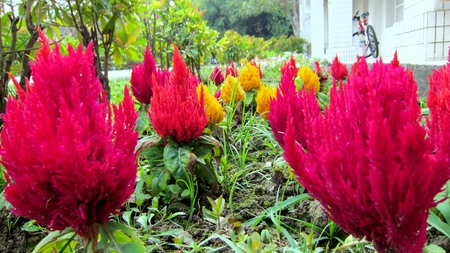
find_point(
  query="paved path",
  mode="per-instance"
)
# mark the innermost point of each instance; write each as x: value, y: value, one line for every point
x: 117, y: 74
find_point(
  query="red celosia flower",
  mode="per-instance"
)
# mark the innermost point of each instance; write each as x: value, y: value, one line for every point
x: 290, y: 64
x: 217, y: 76
x: 338, y: 69
x: 231, y: 70
x: 141, y: 76
x: 287, y: 95
x: 253, y: 63
x: 368, y: 160
x: 69, y: 160
x: 176, y: 110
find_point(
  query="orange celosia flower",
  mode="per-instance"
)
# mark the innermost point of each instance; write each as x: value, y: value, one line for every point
x: 214, y: 110
x: 263, y: 100
x: 309, y: 78
x: 229, y: 87
x: 175, y: 109
x: 249, y: 77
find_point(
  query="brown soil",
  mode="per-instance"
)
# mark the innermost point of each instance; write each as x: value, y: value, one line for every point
x: 12, y: 238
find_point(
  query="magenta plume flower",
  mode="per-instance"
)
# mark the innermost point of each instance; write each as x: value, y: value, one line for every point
x: 69, y: 159
x: 217, y: 76
x: 369, y: 161
x: 141, y: 78
x: 287, y: 96
x: 176, y: 110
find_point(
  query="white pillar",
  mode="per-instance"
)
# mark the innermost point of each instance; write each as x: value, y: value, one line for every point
x: 317, y: 29
x: 340, y: 13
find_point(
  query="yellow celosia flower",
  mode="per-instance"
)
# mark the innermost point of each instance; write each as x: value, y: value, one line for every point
x: 309, y: 78
x: 263, y: 100
x: 214, y: 110
x: 249, y: 77
x: 230, y: 86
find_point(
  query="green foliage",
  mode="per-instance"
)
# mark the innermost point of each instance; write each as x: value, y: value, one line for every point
x: 179, y: 23
x: 287, y: 44
x: 113, y: 237
x: 235, y: 47
x: 262, y: 18
x: 174, y: 169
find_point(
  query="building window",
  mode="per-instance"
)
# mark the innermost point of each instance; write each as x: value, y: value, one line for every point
x: 399, y: 10
x: 394, y: 12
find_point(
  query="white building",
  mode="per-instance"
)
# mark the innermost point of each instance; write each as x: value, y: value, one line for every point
x: 419, y: 30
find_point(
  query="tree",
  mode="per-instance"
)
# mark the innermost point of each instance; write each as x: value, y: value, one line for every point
x: 109, y: 24
x: 273, y: 15
x: 19, y: 23
x: 181, y: 23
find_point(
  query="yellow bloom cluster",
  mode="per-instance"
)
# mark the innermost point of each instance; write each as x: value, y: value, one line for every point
x: 230, y: 86
x: 309, y: 78
x: 214, y: 110
x: 249, y: 77
x: 263, y: 100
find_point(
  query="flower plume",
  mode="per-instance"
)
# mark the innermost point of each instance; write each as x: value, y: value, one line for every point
x: 141, y: 77
x: 369, y: 161
x: 77, y: 165
x: 175, y: 110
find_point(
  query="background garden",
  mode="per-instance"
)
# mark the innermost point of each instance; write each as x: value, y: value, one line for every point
x: 224, y: 186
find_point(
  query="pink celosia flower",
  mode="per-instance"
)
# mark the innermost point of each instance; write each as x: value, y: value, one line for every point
x: 438, y: 98
x: 217, y: 76
x: 338, y: 69
x: 287, y: 95
x: 176, y: 110
x: 141, y: 76
x: 217, y: 94
x: 369, y: 161
x: 69, y: 159
x: 231, y: 70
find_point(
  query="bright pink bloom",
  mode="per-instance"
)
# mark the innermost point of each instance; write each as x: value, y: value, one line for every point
x: 69, y: 159
x: 369, y: 161
x: 217, y: 76
x: 338, y: 69
x: 231, y: 70
x: 176, y: 110
x: 287, y: 96
x: 141, y: 77
x: 217, y: 94
x: 438, y: 99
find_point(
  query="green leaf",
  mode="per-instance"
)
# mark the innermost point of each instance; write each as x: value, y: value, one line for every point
x: 56, y: 240
x: 185, y: 193
x: 117, y: 57
x: 432, y: 248
x: 126, y: 216
x: 118, y: 237
x: 438, y: 224
x: 444, y: 208
x: 121, y: 237
x: 265, y: 214
x: 176, y: 160
x: 30, y: 227
x: 205, y: 144
x: 143, y: 121
x: 159, y: 182
x: 249, y: 97
x: 206, y: 173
